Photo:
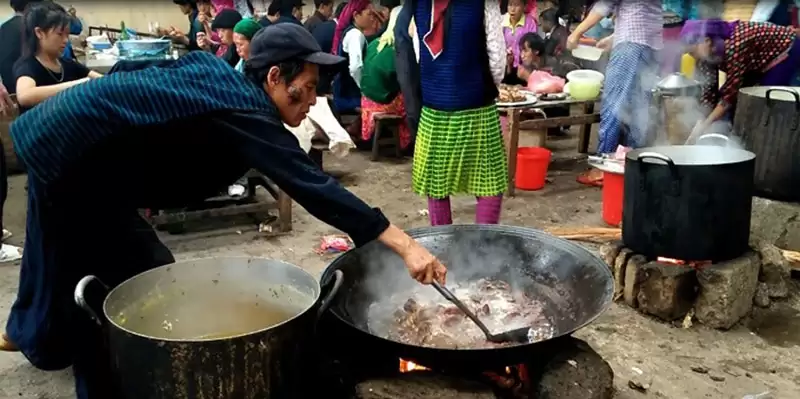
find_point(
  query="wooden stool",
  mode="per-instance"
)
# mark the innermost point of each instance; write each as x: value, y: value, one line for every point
x: 386, y: 124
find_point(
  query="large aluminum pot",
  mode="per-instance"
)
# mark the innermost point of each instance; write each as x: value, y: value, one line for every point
x: 688, y: 202
x: 211, y: 328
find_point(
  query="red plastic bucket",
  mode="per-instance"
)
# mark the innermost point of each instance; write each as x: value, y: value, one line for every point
x: 532, y: 164
x: 613, y: 191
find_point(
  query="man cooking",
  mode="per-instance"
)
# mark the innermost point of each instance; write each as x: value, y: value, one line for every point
x: 92, y: 164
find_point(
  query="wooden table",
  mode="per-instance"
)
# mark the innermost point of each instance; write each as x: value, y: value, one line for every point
x: 585, y: 119
x: 99, y: 65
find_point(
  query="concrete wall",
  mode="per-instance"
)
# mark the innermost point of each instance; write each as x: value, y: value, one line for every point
x: 137, y: 14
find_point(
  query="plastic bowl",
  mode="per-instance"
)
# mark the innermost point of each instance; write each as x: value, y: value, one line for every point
x: 589, y: 53
x: 585, y: 84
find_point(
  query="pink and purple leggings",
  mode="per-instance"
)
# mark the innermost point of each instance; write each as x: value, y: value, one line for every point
x: 487, y: 210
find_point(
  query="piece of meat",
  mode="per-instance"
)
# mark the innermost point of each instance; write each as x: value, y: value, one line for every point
x: 411, y: 305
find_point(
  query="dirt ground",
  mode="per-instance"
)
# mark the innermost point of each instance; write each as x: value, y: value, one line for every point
x: 758, y: 356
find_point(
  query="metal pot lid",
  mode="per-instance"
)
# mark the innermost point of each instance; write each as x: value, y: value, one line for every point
x: 778, y: 93
x: 677, y: 81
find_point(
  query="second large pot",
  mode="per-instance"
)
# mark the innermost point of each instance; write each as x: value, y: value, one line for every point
x: 211, y: 328
x: 690, y: 203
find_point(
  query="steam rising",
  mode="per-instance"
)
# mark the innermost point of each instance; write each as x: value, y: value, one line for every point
x: 545, y: 274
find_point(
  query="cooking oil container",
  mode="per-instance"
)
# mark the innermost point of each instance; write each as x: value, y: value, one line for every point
x: 687, y: 65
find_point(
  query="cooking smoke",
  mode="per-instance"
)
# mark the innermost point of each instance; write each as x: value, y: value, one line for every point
x: 674, y: 123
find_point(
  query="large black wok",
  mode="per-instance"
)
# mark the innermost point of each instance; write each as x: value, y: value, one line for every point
x: 575, y: 285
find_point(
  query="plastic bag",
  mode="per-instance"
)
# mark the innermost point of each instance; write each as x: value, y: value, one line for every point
x: 541, y: 82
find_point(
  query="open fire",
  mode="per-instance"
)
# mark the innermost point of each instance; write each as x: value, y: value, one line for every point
x: 514, y: 379
x: 693, y: 264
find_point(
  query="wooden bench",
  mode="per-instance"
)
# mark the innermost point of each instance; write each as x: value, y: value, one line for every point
x: 173, y: 220
x: 387, y: 133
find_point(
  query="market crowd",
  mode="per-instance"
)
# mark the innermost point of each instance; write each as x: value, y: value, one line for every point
x: 436, y: 64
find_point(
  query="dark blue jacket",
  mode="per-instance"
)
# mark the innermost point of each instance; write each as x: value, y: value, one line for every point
x: 407, y: 68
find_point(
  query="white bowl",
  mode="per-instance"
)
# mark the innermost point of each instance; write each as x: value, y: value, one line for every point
x: 585, y: 75
x: 589, y: 53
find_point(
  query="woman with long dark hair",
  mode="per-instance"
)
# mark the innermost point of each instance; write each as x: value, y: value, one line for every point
x: 43, y: 71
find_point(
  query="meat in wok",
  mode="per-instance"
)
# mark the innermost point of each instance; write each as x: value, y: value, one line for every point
x: 426, y: 319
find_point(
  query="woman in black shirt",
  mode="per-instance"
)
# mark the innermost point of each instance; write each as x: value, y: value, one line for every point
x: 43, y: 72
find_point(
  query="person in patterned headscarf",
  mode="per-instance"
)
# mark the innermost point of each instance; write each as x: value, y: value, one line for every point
x: 750, y: 53
x: 459, y: 146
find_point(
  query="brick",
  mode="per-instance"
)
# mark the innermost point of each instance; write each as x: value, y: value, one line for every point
x: 762, y: 299
x: 727, y: 290
x: 775, y: 271
x: 666, y: 290
x: 619, y: 271
x: 609, y: 252
x: 633, y: 278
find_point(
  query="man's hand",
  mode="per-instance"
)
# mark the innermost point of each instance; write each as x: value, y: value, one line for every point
x: 6, y: 104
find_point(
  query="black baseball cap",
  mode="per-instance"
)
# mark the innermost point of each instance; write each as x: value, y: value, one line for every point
x: 226, y: 19
x: 287, y: 41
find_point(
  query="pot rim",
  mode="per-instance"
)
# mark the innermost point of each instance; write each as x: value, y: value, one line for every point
x: 305, y: 310
x: 732, y: 156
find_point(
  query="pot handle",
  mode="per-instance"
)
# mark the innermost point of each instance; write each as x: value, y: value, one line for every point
x: 80, y: 297
x: 770, y: 103
x: 670, y: 163
x: 713, y: 136
x: 327, y: 299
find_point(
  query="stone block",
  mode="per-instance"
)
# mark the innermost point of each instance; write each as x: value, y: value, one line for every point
x: 666, y: 290
x: 727, y: 290
x: 619, y: 271
x: 775, y: 271
x: 776, y: 222
x: 762, y: 296
x: 633, y: 277
x: 609, y: 252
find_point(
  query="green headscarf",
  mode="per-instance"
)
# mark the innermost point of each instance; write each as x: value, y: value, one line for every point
x: 247, y: 28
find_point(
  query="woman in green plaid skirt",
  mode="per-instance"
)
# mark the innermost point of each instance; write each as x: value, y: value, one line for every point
x: 459, y: 148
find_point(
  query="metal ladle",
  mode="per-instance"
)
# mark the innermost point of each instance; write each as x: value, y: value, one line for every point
x: 520, y: 335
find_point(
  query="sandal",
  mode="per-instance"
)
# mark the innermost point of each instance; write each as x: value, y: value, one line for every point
x: 588, y: 179
x: 6, y: 345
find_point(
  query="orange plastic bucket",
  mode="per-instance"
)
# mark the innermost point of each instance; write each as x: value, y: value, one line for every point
x: 613, y: 192
x: 532, y: 164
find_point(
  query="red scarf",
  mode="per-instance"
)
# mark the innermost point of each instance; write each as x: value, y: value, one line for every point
x: 434, y: 39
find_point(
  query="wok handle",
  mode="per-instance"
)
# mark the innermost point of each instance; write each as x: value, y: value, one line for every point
x: 80, y: 297
x: 670, y: 163
x: 327, y: 299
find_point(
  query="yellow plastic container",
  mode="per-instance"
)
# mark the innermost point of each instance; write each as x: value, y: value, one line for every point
x: 687, y: 65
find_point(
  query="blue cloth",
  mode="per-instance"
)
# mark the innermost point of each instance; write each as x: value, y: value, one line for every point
x: 195, y: 84
x: 346, y: 93
x: 602, y: 29
x: 456, y: 79
x: 685, y: 9
x: 626, y: 96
